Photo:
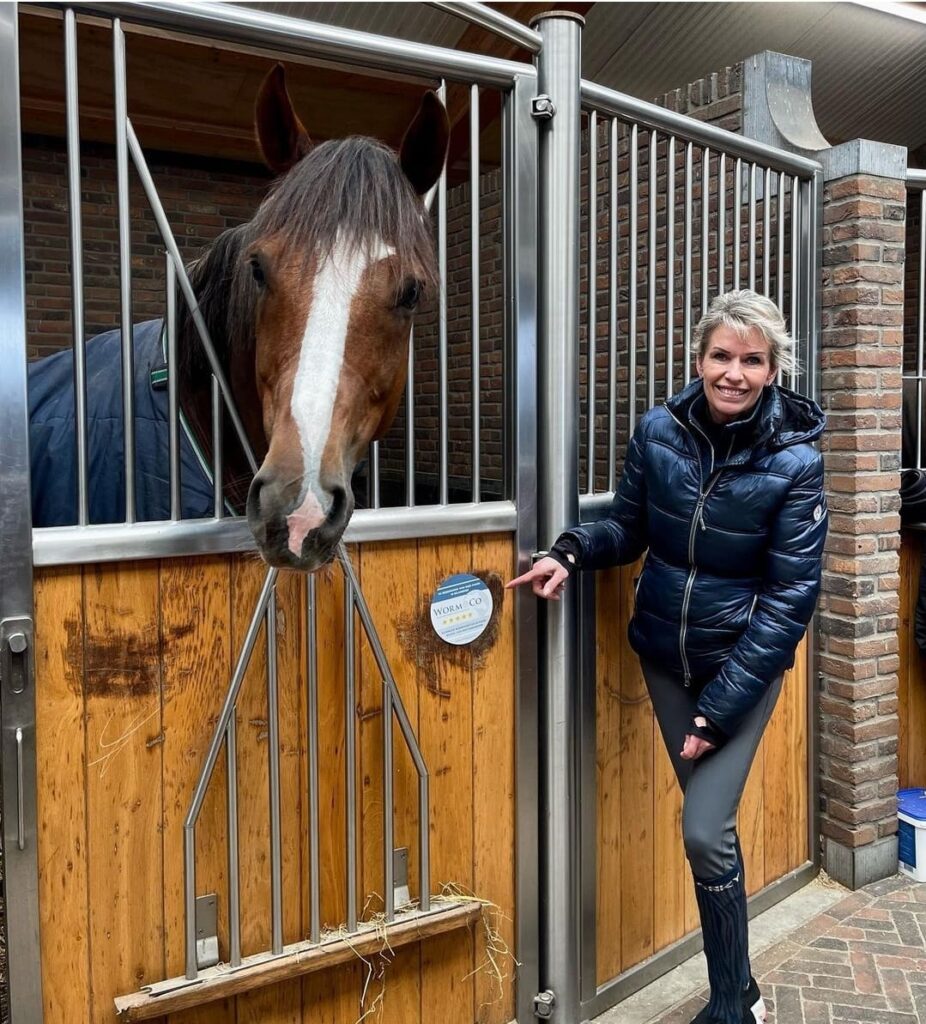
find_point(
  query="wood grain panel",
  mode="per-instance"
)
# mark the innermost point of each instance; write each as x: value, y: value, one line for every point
x: 494, y: 843
x: 61, y: 770
x: 195, y: 668
x: 912, y: 672
x: 124, y: 796
x: 445, y: 724
x: 389, y: 578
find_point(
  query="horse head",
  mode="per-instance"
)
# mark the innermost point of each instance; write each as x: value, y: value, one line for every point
x: 334, y: 265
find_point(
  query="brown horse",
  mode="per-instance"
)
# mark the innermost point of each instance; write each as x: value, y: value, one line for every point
x: 309, y: 306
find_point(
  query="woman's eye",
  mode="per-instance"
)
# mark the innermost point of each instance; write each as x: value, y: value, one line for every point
x: 257, y: 272
x: 409, y: 296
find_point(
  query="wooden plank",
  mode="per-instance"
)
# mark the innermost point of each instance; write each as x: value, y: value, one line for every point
x: 298, y: 960
x: 332, y: 996
x: 494, y: 836
x: 637, y: 736
x: 445, y: 735
x: 124, y: 796
x: 608, y: 639
x: 196, y: 668
x: 780, y: 799
x: 668, y: 851
x: 389, y: 578
x: 797, y: 784
x: 61, y: 812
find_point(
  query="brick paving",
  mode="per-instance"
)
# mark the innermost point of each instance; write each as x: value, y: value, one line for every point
x: 863, y: 961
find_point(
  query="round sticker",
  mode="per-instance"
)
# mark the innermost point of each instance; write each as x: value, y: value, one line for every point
x: 461, y: 608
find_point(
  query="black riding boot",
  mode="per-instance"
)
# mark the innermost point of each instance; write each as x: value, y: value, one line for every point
x: 722, y: 905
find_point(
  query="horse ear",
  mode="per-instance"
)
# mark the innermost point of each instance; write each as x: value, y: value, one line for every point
x: 424, y: 147
x: 282, y: 139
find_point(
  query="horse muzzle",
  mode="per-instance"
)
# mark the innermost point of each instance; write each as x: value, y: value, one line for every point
x: 302, y: 536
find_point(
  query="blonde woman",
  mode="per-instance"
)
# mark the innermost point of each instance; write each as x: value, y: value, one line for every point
x: 724, y: 490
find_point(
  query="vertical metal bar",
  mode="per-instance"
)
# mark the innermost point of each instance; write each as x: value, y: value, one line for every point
x: 921, y: 332
x: 752, y: 225
x: 218, y: 440
x: 686, y: 341
x: 651, y: 283
x: 592, y: 297
x: 273, y: 739
x: 722, y: 224
x: 410, y: 423
x: 814, y: 275
x: 234, y: 889
x: 388, y: 820
x: 766, y: 232
x: 374, y: 475
x: 737, y: 221
x: 189, y: 900
x: 442, y: 358
x: 474, y: 279
x: 312, y: 732
x: 519, y: 207
x: 705, y: 227
x: 17, y: 704
x: 125, y: 268
x: 632, y: 315
x: 77, y: 266
x: 559, y: 74
x: 670, y: 267
x: 350, y: 754
x: 780, y: 253
x: 614, y: 228
x: 173, y: 403
x: 795, y: 263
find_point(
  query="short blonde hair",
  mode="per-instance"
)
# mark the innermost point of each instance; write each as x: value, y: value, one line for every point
x: 741, y: 311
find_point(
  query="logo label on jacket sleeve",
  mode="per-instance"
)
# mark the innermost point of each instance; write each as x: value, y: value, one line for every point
x: 818, y: 513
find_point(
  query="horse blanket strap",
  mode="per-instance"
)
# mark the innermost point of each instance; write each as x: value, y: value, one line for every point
x: 53, y: 438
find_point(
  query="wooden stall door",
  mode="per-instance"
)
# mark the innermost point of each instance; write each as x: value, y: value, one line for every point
x: 911, y: 676
x: 132, y: 665
x: 645, y: 891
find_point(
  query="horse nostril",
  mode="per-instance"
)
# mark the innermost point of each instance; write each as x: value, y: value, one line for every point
x: 254, y: 497
x: 338, y: 504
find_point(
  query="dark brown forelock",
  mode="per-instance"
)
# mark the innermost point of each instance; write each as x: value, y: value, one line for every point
x: 354, y: 190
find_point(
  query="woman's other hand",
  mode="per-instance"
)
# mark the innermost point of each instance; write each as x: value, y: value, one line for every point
x: 694, y: 746
x: 547, y: 579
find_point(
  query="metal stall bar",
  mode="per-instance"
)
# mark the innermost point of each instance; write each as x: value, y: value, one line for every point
x: 388, y: 808
x: 486, y: 17
x: 705, y: 227
x: 612, y: 310
x: 173, y: 402
x: 350, y: 754
x: 737, y: 223
x: 273, y: 739
x: 766, y: 232
x: 651, y: 283
x: 795, y: 241
x: 125, y: 269
x: 312, y: 743
x: 474, y: 280
x: 410, y: 423
x: 722, y: 224
x: 558, y: 504
x: 218, y: 503
x: 72, y: 110
x: 374, y: 474
x: 686, y: 340
x: 17, y: 689
x: 231, y: 817
x: 632, y: 312
x: 443, y: 416
x: 670, y: 268
x: 752, y: 225
x: 780, y: 248
x: 592, y: 298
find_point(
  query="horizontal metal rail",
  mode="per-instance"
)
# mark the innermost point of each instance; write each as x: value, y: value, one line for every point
x: 73, y: 545
x: 293, y: 35
x: 494, y: 21
x: 916, y: 178
x: 652, y: 116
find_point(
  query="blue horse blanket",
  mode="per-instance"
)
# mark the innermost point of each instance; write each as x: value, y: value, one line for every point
x: 53, y: 436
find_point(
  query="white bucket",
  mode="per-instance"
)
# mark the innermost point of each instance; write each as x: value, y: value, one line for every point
x: 911, y: 833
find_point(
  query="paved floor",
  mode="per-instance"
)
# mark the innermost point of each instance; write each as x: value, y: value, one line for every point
x: 861, y: 959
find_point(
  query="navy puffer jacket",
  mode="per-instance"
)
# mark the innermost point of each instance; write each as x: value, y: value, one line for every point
x: 735, y: 520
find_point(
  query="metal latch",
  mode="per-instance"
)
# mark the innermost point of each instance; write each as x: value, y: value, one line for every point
x: 401, y: 895
x: 207, y: 931
x: 543, y: 1005
x: 542, y: 108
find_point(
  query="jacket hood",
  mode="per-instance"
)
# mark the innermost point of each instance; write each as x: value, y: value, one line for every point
x: 785, y: 418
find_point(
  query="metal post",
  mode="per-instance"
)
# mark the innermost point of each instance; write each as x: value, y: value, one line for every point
x: 17, y: 698
x: 558, y: 500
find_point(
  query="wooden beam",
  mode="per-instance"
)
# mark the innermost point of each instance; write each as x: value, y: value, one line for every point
x: 299, y: 959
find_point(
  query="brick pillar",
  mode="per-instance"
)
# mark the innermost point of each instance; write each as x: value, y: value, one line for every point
x: 862, y: 346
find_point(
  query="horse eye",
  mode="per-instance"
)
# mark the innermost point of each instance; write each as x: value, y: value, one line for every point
x: 257, y: 271
x: 410, y: 295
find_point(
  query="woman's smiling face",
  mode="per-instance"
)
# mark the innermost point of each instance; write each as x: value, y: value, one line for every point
x: 735, y: 368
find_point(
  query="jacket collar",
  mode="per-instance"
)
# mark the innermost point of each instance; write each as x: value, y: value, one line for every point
x: 781, y: 418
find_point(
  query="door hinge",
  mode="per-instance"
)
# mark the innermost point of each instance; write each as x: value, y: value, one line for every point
x: 542, y: 108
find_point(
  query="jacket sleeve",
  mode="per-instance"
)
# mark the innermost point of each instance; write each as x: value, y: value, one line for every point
x: 784, y: 605
x: 620, y: 537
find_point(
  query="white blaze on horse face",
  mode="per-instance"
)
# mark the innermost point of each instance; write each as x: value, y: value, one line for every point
x: 315, y: 386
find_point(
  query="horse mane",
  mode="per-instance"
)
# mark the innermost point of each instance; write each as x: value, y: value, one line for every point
x: 350, y: 190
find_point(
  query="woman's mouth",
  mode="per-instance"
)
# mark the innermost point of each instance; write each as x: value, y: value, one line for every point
x: 731, y: 392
